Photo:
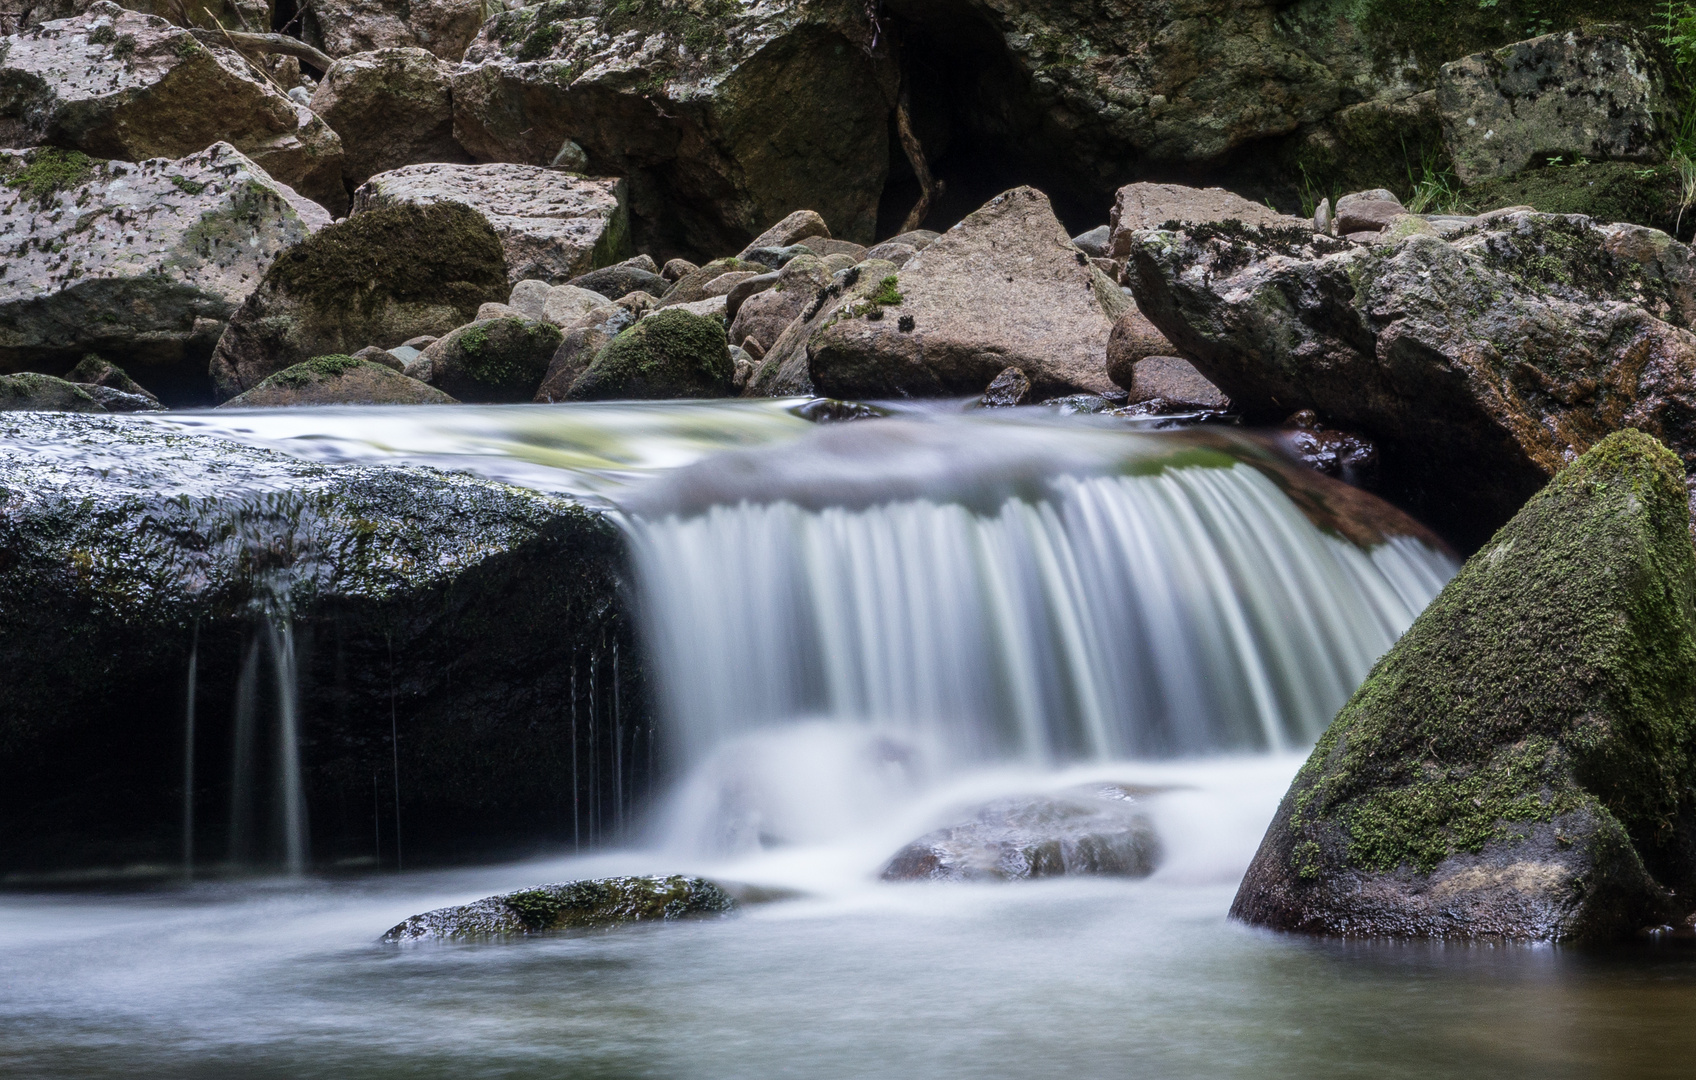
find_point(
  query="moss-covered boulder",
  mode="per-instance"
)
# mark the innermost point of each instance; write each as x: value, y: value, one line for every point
x: 493, y: 361
x: 32, y: 391
x: 597, y: 904
x: 378, y: 278
x: 143, y: 565
x: 670, y: 354
x: 1523, y: 762
x: 1608, y: 191
x: 337, y: 380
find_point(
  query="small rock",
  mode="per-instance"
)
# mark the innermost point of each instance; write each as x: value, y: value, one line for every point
x: 1350, y: 458
x: 497, y: 311
x: 91, y: 370
x: 766, y: 314
x: 337, y: 380
x: 774, y: 258
x: 1133, y: 339
x: 721, y: 285
x: 799, y: 226
x: 1094, y: 242
x: 1021, y: 838
x: 917, y: 239
x: 620, y: 279
x: 598, y: 904
x: 1006, y: 390
x: 581, y: 343
x: 676, y: 268
x: 747, y: 287
x: 670, y: 354
x: 492, y: 361
x: 693, y: 285
x: 891, y: 251
x: 1323, y: 221
x: 1175, y: 381
x: 44, y: 393
x: 1367, y: 211
x: 391, y: 360
x: 824, y: 247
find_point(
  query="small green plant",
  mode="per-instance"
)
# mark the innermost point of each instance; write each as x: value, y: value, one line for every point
x: 1434, y: 189
x: 886, y: 292
x: 1686, y: 188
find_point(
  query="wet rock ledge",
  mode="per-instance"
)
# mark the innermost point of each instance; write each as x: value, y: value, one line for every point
x: 597, y: 904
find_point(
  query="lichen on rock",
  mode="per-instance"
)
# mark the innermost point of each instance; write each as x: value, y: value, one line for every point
x: 595, y: 904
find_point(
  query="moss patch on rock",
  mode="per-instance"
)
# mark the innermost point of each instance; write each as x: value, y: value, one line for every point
x: 1429, y: 33
x: 493, y: 360
x: 31, y: 391
x: 597, y: 904
x: 672, y: 354
x: 50, y: 170
x: 1607, y: 191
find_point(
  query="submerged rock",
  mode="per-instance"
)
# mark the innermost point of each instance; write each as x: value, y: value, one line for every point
x: 1013, y: 839
x: 1522, y: 763
x: 553, y: 225
x: 145, y: 262
x: 337, y: 380
x: 597, y: 904
x: 1003, y: 288
x: 670, y: 354
x: 462, y: 613
x: 120, y: 84
x: 1480, y: 365
x: 379, y: 278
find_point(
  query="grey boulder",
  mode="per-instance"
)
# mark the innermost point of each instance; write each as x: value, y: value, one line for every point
x: 597, y: 904
x: 391, y: 108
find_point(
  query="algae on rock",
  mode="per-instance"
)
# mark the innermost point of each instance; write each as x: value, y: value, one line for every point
x: 597, y: 904
x: 1522, y: 763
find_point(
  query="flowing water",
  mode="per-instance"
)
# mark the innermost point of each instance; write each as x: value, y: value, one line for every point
x: 860, y: 633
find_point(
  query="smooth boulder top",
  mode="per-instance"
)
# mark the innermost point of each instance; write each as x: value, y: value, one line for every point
x: 490, y: 361
x: 670, y: 354
x: 1522, y: 763
x: 596, y: 904
x: 1004, y: 288
x: 1151, y: 206
x: 1100, y: 832
x: 553, y: 225
x: 337, y: 380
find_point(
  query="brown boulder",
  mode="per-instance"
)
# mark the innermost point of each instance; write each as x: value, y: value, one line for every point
x: 1133, y: 338
x: 1151, y: 206
x: 337, y: 380
x: 391, y: 108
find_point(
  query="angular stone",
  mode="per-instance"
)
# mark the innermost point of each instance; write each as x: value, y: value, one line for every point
x: 723, y: 120
x: 794, y: 228
x: 670, y: 354
x: 1367, y: 211
x: 1133, y: 339
x: 1023, y: 838
x: 693, y: 286
x: 1479, y: 366
x: 379, y: 278
x: 1151, y: 206
x: 391, y: 108
x: 1173, y: 379
x: 120, y: 84
x: 622, y: 279
x: 492, y: 361
x: 1522, y: 763
x: 1004, y: 288
x: 444, y: 27
x: 1594, y: 93
x: 142, y: 262
x: 575, y: 905
x: 1006, y: 390
x: 581, y: 343
x: 337, y: 380
x: 784, y: 369
x: 766, y: 315
x: 552, y: 225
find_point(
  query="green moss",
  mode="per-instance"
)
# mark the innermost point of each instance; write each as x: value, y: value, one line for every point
x: 611, y: 901
x: 316, y: 370
x: 1607, y: 191
x: 541, y: 41
x: 187, y: 186
x: 670, y: 354
x: 124, y: 47
x: 50, y: 170
x: 887, y: 293
x: 1557, y: 671
x: 508, y: 352
x: 102, y: 35
x: 185, y: 47
x: 1430, y: 33
x: 445, y: 254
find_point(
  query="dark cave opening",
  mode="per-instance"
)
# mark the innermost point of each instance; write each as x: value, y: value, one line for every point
x: 980, y: 123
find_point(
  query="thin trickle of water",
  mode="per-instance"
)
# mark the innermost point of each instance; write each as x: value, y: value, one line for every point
x: 272, y: 641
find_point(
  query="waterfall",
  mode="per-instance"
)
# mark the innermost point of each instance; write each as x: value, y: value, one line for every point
x: 1023, y: 597
x: 285, y: 840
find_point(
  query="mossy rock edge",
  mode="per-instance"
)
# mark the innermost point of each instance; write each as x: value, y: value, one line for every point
x: 597, y: 904
x: 1522, y: 763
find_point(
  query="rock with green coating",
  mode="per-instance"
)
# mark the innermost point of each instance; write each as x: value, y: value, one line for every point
x: 493, y: 361
x: 32, y: 391
x: 1522, y: 763
x: 670, y: 354
x: 597, y: 904
x: 378, y: 278
x: 337, y: 380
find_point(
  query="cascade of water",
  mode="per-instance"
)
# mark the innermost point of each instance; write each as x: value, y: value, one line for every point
x: 273, y: 641
x: 291, y: 791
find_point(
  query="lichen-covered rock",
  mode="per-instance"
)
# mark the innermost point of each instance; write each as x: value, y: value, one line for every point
x: 30, y: 391
x: 337, y: 380
x: 346, y: 27
x: 144, y: 262
x: 1003, y: 288
x: 460, y: 612
x: 765, y: 315
x: 1593, y: 94
x: 120, y: 84
x: 492, y: 360
x: 598, y: 904
x: 379, y: 278
x: 1479, y: 365
x: 1016, y: 839
x: 670, y: 354
x: 1523, y: 762
x: 553, y: 225
x: 1151, y: 206
x: 724, y: 117
x: 391, y: 108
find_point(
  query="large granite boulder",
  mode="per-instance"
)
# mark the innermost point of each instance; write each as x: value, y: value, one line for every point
x: 379, y: 278
x: 1005, y: 287
x: 1480, y: 365
x: 553, y: 225
x: 391, y: 108
x: 346, y: 27
x: 1595, y: 94
x: 597, y: 904
x: 120, y: 84
x: 670, y: 354
x: 459, y: 613
x: 723, y: 117
x: 337, y: 380
x: 142, y: 262
x: 1522, y: 763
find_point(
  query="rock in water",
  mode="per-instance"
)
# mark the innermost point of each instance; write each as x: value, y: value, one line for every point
x: 1593, y: 94
x: 1006, y: 390
x: 670, y: 354
x: 378, y: 278
x: 729, y: 116
x: 1034, y: 837
x: 1003, y: 288
x: 460, y: 610
x: 1478, y: 365
x: 337, y: 380
x: 575, y: 905
x: 1523, y: 762
x: 391, y: 108
x: 120, y: 84
x: 29, y: 391
x: 553, y: 226
x: 143, y: 262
